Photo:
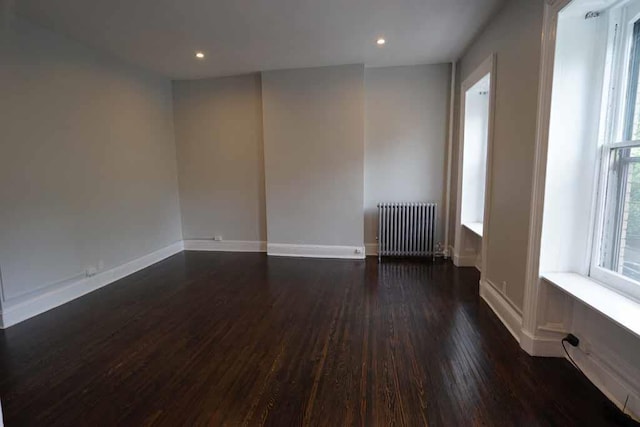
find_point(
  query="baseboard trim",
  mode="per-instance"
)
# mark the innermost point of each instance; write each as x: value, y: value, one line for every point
x: 371, y: 249
x: 542, y: 346
x: 53, y: 297
x: 614, y: 378
x: 507, y: 314
x: 225, y: 245
x: 315, y: 251
x: 449, y: 252
x: 464, y: 260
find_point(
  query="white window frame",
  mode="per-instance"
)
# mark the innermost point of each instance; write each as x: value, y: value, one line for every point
x: 623, y: 19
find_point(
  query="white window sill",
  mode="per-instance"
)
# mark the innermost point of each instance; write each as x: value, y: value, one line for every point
x: 622, y: 310
x: 474, y: 227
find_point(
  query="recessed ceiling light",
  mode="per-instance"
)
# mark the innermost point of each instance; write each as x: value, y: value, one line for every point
x: 381, y: 41
x: 199, y: 55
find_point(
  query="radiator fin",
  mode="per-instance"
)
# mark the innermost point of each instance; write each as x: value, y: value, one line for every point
x: 407, y: 229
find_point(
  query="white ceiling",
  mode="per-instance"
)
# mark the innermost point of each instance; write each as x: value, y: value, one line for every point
x: 240, y: 36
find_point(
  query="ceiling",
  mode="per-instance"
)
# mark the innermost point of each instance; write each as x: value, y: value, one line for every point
x: 240, y: 36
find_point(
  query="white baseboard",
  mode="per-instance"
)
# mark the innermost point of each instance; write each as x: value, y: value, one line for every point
x: 464, y: 260
x: 507, y: 314
x: 613, y: 377
x: 371, y: 249
x: 316, y: 251
x: 53, y: 297
x: 542, y: 346
x: 449, y: 252
x: 225, y: 246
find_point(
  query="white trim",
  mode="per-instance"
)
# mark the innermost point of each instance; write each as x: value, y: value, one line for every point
x: 542, y: 346
x: 532, y: 278
x: 464, y: 260
x: 53, y: 297
x: 475, y: 227
x: 488, y: 66
x: 450, y: 252
x: 315, y: 251
x: 617, y: 307
x: 371, y: 249
x: 452, y: 101
x: 611, y: 375
x: 478, y: 266
x: 225, y: 245
x: 624, y: 285
x: 502, y: 307
x: 493, y: 66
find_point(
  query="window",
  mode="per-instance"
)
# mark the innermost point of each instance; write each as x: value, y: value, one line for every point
x: 616, y: 255
x: 474, y: 161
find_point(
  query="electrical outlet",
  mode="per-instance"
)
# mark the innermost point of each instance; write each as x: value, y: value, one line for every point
x: 358, y: 251
x: 217, y: 238
x: 573, y: 340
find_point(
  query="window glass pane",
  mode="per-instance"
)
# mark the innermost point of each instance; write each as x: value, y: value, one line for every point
x: 621, y: 239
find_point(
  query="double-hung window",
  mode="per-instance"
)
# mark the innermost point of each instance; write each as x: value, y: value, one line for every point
x: 616, y: 250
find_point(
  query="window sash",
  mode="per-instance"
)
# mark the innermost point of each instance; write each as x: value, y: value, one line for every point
x: 616, y: 282
x: 632, y: 84
x: 622, y: 144
x: 619, y: 96
x: 611, y: 207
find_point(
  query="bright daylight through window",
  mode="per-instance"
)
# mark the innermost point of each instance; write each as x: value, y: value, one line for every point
x: 617, y: 257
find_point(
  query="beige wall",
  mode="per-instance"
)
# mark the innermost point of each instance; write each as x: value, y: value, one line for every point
x: 87, y: 162
x: 220, y: 149
x: 314, y: 155
x: 514, y: 35
x: 406, y: 113
x: 218, y: 126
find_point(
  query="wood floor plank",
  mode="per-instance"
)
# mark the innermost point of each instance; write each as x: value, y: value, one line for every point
x: 244, y: 339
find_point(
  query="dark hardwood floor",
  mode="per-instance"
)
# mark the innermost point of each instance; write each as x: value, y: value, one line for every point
x: 242, y: 339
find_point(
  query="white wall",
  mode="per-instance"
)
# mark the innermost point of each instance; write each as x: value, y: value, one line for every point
x: 314, y: 155
x: 514, y: 35
x: 573, y: 141
x: 87, y: 162
x: 406, y: 112
x: 218, y: 126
